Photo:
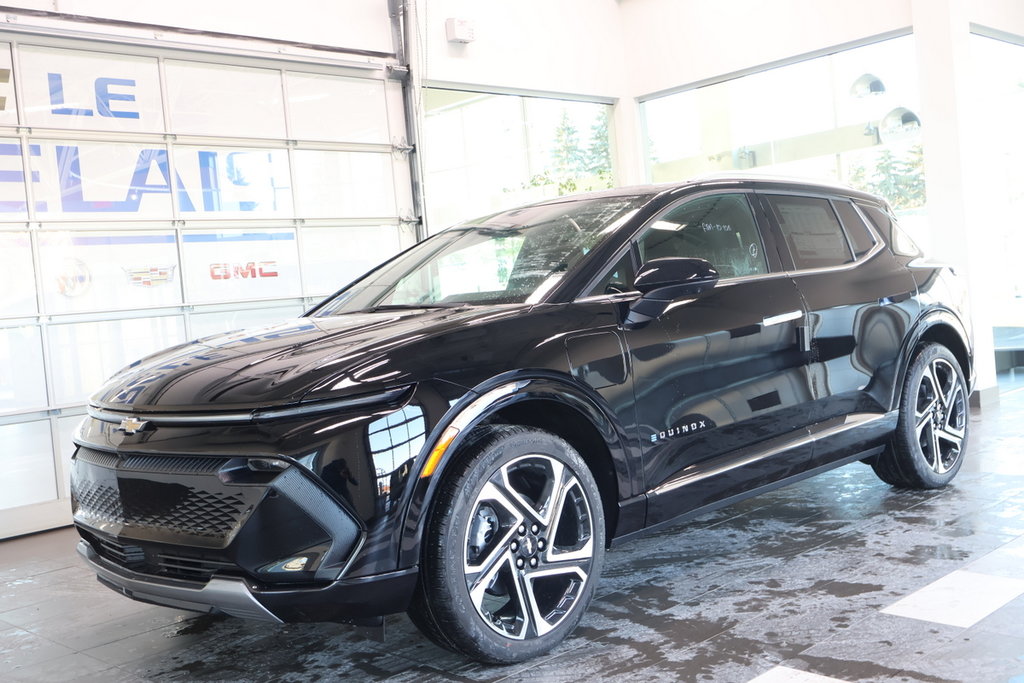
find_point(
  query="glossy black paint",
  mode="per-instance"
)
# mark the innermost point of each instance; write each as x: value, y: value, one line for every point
x: 738, y: 386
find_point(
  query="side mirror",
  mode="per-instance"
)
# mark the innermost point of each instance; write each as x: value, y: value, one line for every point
x: 661, y: 281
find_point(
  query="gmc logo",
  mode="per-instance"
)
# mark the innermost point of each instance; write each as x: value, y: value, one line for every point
x: 252, y: 269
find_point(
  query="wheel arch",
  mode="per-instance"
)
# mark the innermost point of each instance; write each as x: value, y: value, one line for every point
x: 545, y: 401
x: 939, y: 326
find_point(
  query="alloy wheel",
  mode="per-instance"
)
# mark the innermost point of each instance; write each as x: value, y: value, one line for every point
x: 940, y: 415
x: 529, y: 547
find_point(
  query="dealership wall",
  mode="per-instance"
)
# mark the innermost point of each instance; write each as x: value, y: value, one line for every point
x: 351, y: 24
x: 158, y: 185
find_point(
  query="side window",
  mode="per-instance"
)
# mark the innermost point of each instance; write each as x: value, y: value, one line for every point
x: 860, y: 237
x: 719, y: 228
x: 618, y: 279
x: 811, y: 230
x: 899, y: 240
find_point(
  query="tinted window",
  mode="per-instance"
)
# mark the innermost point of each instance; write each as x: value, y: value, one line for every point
x: 618, y: 279
x: 719, y: 229
x: 898, y: 239
x: 515, y: 256
x: 812, y: 231
x: 856, y: 230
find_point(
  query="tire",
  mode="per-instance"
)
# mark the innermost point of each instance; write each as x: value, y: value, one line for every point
x: 513, y: 548
x: 928, y: 447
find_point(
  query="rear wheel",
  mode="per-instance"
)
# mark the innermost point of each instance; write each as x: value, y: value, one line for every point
x: 513, y: 549
x: 928, y: 447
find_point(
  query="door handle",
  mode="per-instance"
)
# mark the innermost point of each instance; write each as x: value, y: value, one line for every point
x: 782, y: 318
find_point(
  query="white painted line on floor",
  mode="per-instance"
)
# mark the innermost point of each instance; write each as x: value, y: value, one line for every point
x: 783, y: 674
x: 961, y: 598
x: 1006, y: 561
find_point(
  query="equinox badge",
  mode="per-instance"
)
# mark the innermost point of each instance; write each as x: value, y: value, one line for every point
x: 131, y: 425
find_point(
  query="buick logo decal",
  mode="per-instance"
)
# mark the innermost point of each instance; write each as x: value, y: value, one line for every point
x: 131, y: 425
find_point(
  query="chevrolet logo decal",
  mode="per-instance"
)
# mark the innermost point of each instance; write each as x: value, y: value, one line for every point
x: 130, y: 425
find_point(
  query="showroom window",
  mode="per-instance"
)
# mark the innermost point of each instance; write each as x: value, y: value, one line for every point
x: 853, y: 116
x: 484, y: 153
x: 149, y: 196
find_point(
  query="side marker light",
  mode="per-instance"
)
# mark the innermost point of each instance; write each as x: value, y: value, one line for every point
x: 435, y: 455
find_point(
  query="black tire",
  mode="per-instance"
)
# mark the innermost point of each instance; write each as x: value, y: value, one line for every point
x: 513, y: 548
x: 928, y: 448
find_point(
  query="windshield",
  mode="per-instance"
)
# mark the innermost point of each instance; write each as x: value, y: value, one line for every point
x: 511, y: 257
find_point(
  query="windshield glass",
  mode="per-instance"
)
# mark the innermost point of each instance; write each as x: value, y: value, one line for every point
x: 511, y: 257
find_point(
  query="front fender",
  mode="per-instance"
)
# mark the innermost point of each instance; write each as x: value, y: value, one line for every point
x: 477, y: 407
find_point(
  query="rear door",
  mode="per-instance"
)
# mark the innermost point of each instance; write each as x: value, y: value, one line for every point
x: 860, y: 302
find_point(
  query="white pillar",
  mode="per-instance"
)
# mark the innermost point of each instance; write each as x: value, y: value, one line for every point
x: 628, y: 148
x: 954, y: 168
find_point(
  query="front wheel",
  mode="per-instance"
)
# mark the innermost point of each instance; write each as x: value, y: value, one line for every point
x: 928, y: 447
x: 513, y: 549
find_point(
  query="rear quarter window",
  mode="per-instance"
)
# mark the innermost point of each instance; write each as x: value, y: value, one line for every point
x: 900, y: 242
x: 860, y: 237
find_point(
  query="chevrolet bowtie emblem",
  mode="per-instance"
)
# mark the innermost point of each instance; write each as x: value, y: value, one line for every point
x: 130, y: 425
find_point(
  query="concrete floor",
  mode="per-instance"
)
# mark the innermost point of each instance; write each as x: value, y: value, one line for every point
x: 836, y: 578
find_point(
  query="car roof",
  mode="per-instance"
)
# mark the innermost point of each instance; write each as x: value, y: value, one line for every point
x: 722, y: 178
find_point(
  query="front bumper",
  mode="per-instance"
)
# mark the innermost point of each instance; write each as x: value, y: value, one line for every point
x: 344, y: 601
x: 253, y: 537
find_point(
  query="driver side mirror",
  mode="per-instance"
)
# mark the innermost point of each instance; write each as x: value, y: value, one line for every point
x: 661, y: 281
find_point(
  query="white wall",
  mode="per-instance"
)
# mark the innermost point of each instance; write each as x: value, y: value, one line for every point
x: 1004, y: 15
x: 356, y: 24
x: 676, y: 42
x: 564, y: 46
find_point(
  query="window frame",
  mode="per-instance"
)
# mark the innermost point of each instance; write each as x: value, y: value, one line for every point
x: 776, y: 266
x: 789, y: 263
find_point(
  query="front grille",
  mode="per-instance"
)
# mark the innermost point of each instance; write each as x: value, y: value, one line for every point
x: 189, y: 567
x: 130, y: 556
x: 165, y: 564
x: 154, y: 505
x: 152, y: 464
x: 157, y: 496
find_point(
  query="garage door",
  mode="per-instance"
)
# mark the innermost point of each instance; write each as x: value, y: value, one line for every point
x: 150, y: 196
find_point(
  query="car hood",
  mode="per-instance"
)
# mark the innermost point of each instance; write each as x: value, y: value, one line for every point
x: 306, y: 358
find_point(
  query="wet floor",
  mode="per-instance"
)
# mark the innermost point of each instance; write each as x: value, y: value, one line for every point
x: 837, y: 577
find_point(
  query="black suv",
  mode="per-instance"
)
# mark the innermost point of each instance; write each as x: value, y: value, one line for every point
x: 461, y: 432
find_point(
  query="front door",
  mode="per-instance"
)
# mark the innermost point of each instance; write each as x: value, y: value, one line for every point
x: 721, y: 373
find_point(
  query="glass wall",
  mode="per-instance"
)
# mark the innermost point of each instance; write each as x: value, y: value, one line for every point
x: 853, y: 116
x: 998, y: 98
x: 156, y: 196
x: 485, y: 153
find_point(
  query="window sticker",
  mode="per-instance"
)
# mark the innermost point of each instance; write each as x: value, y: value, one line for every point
x: 87, y: 180
x: 226, y: 181
x: 95, y: 271
x: 90, y: 90
x: 232, y: 265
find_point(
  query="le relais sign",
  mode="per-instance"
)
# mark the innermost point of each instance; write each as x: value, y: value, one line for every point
x: 64, y: 89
